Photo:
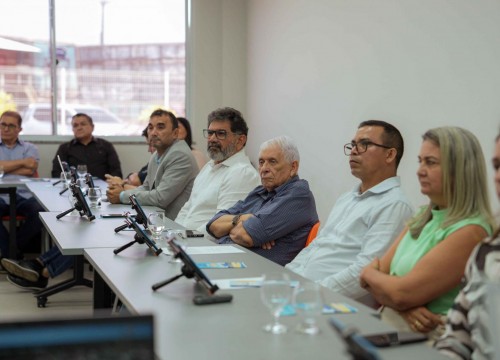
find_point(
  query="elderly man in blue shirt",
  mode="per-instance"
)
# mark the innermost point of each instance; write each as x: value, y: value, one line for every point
x: 274, y: 220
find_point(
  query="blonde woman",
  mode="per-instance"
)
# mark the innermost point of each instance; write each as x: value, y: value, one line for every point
x: 419, y: 276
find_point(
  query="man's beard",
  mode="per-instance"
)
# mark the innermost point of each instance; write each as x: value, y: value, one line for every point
x: 217, y: 154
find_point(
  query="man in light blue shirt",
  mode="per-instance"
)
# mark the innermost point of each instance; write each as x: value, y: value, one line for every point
x: 19, y: 159
x: 363, y: 222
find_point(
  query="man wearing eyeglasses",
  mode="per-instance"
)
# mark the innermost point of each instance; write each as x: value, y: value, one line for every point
x: 18, y: 159
x: 171, y: 172
x: 365, y: 221
x: 274, y: 220
x: 227, y: 178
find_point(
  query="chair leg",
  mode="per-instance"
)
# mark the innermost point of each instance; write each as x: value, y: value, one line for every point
x: 77, y: 279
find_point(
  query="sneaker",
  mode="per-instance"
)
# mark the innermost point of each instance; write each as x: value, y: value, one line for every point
x: 28, y: 285
x: 25, y: 269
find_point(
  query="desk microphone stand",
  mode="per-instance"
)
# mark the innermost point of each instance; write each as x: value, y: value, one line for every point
x: 64, y: 168
x: 140, y: 237
x: 140, y: 218
x: 125, y: 226
x: 80, y: 204
x: 186, y: 271
x: 137, y: 239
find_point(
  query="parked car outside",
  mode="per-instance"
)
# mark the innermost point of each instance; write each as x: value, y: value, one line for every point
x: 37, y: 120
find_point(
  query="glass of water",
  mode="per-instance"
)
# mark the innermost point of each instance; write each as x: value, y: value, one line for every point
x: 81, y: 170
x: 276, y: 293
x: 156, y: 224
x: 308, y: 302
x: 65, y: 179
x: 94, y: 195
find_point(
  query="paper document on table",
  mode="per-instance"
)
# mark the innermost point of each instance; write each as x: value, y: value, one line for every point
x: 220, y: 249
x: 242, y: 283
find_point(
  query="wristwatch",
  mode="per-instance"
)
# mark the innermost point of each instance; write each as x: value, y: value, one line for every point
x: 236, y: 218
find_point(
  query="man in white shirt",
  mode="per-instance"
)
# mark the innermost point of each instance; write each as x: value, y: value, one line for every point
x: 227, y: 178
x: 363, y: 222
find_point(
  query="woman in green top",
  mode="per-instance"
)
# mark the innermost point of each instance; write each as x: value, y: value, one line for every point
x: 419, y: 276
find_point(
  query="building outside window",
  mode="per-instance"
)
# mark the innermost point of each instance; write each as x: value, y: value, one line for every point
x: 117, y: 60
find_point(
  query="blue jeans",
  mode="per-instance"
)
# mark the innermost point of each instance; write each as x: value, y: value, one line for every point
x: 56, y: 262
x: 31, y: 229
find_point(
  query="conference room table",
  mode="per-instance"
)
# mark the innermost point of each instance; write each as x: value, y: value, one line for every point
x: 184, y: 330
x: 229, y: 330
x: 72, y: 223
x: 50, y: 197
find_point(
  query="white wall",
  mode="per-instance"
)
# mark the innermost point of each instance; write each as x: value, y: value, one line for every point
x: 318, y: 68
x: 216, y: 67
x: 315, y: 69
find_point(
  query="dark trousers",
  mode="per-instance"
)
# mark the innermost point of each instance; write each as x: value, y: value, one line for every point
x: 29, y: 234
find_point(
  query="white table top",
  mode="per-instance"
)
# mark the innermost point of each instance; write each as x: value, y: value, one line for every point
x: 10, y: 181
x: 73, y: 233
x: 232, y: 330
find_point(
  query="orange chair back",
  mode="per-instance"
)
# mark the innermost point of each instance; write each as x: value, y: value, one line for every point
x: 312, y: 234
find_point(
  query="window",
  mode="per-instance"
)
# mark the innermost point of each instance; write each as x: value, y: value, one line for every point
x: 118, y: 60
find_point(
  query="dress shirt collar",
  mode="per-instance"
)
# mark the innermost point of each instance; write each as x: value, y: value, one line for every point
x: 381, y: 187
x: 18, y: 141
x: 76, y: 141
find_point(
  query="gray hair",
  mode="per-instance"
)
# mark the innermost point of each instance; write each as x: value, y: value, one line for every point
x: 286, y: 144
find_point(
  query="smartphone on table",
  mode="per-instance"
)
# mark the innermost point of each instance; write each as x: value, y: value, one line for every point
x: 193, y: 233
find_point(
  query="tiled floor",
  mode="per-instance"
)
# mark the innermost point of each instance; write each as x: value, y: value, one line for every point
x: 18, y: 304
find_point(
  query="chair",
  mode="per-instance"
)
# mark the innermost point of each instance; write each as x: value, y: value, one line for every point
x: 312, y: 234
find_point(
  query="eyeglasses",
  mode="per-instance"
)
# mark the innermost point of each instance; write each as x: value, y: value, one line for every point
x: 219, y: 134
x: 8, y: 126
x: 361, y: 146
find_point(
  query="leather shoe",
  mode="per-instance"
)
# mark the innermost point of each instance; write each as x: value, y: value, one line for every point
x: 25, y: 269
x: 40, y: 284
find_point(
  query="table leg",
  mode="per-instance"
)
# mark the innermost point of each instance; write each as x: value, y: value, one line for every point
x: 12, y: 224
x: 103, y: 296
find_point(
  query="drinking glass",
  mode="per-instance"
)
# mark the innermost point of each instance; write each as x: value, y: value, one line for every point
x: 1, y: 171
x: 156, y: 224
x: 65, y: 180
x: 275, y: 292
x: 308, y: 302
x: 171, y: 234
x: 81, y: 170
x: 94, y: 195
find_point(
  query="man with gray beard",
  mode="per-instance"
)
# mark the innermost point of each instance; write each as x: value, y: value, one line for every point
x: 227, y: 178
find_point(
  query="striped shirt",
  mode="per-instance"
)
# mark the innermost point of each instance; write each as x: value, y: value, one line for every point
x: 467, y: 335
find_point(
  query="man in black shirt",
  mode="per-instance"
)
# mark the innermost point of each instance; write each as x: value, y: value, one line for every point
x: 98, y: 154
